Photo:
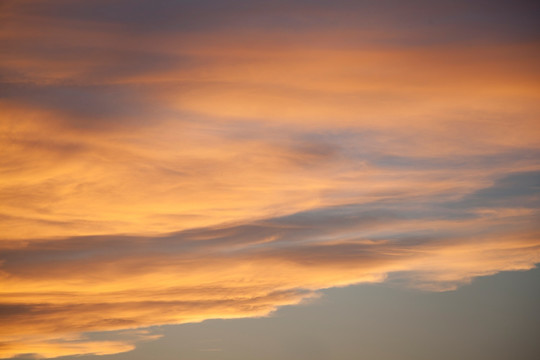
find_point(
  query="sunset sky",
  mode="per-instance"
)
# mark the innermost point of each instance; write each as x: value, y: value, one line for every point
x: 292, y: 180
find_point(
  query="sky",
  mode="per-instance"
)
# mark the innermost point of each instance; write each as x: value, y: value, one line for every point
x: 269, y: 180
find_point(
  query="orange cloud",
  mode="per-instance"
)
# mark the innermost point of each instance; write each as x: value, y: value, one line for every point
x: 182, y: 174
x: 56, y: 288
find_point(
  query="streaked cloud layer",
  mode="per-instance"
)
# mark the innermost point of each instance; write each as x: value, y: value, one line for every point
x: 170, y: 162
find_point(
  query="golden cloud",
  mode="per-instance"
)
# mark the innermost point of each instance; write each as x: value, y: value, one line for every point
x: 173, y: 176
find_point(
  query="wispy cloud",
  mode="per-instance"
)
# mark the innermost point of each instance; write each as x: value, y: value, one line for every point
x: 199, y: 164
x: 63, y: 286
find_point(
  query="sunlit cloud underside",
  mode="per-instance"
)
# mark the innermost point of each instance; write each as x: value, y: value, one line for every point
x: 193, y: 164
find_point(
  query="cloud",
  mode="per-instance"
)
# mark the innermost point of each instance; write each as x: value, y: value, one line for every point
x: 164, y: 162
x: 39, y: 347
x: 108, y: 283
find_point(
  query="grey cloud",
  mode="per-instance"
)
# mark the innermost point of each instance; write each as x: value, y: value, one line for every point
x: 499, y: 158
x: 514, y: 190
x: 468, y: 19
x: 86, y: 107
x: 298, y: 235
